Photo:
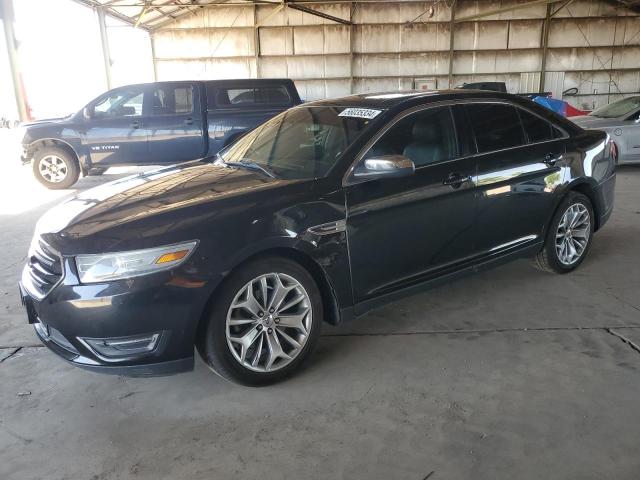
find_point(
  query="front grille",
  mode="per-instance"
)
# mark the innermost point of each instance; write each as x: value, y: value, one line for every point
x: 45, y: 267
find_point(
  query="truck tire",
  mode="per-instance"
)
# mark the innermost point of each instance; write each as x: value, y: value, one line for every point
x: 56, y: 168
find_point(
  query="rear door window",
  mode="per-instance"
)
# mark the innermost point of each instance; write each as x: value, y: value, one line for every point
x: 496, y: 126
x: 537, y: 129
x: 172, y: 100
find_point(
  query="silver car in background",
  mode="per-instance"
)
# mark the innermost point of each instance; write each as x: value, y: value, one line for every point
x: 621, y: 120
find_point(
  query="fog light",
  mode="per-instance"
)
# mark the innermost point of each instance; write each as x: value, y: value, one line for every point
x: 51, y: 334
x: 42, y: 329
x: 123, y: 347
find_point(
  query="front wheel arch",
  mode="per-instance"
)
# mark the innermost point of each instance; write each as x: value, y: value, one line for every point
x: 45, y: 143
x: 330, y: 304
x: 215, y: 350
x: 67, y: 156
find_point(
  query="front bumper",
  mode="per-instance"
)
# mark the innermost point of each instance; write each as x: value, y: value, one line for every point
x: 72, y: 318
x: 26, y: 155
x: 156, y: 369
x: 606, y: 199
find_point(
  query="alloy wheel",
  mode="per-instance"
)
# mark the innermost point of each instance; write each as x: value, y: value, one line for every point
x: 268, y: 322
x: 572, y: 236
x: 53, y: 168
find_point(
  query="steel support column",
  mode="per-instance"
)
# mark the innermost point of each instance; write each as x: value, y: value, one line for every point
x: 154, y: 60
x: 452, y: 26
x: 544, y: 44
x: 105, y: 45
x: 6, y: 9
x: 352, y: 11
x: 256, y: 39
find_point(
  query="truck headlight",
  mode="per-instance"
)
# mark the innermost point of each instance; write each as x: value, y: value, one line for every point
x: 114, y: 266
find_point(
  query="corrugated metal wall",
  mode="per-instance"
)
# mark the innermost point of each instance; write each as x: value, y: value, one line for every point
x: 592, y: 45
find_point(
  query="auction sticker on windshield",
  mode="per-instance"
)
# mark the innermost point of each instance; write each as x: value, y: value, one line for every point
x: 368, y: 113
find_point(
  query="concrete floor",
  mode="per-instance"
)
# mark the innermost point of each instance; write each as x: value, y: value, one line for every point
x: 512, y: 373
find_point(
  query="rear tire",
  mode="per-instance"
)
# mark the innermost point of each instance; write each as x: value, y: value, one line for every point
x: 569, y: 236
x: 255, y: 338
x: 56, y: 168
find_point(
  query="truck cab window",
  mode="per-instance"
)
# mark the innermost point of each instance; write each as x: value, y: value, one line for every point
x: 266, y: 95
x: 124, y: 103
x: 172, y: 100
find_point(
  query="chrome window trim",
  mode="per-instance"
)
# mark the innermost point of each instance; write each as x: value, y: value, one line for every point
x: 347, y: 180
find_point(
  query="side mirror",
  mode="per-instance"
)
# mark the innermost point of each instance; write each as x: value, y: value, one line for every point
x: 87, y: 113
x: 391, y: 166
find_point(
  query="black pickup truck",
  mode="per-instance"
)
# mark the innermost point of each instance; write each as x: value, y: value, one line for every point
x: 151, y: 124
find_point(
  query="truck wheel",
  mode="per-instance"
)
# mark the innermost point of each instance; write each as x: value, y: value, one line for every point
x: 55, y: 168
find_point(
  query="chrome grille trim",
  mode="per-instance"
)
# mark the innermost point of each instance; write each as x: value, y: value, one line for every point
x: 43, y: 270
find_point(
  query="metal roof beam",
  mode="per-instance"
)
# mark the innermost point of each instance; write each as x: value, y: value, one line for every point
x: 112, y: 13
x: 317, y: 13
x: 497, y: 11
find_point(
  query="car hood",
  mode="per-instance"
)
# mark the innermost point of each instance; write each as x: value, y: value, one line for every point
x: 589, y: 121
x: 151, y: 193
x: 45, y: 121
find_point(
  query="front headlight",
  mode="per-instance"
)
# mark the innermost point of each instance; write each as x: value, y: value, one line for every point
x: 119, y: 265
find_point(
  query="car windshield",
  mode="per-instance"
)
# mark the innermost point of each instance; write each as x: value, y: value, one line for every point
x: 301, y: 143
x: 618, y: 109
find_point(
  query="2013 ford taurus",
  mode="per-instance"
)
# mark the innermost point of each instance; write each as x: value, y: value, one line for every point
x: 318, y: 215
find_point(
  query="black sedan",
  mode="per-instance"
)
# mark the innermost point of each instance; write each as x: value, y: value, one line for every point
x: 318, y: 215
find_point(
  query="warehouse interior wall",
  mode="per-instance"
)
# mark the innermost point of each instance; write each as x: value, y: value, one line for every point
x: 405, y: 45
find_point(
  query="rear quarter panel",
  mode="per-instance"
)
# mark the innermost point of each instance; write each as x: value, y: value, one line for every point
x: 588, y: 163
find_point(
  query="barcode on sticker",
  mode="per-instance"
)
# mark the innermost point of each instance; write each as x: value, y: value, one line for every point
x: 368, y: 113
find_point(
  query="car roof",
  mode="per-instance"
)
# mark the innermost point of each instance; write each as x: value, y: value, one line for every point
x: 240, y: 82
x: 387, y: 100
x: 395, y: 102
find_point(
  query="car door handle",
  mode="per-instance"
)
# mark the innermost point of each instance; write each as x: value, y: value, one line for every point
x: 188, y: 121
x: 551, y: 158
x: 455, y: 180
x: 135, y: 124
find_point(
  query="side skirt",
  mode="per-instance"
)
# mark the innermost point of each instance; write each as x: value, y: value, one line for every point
x: 482, y: 265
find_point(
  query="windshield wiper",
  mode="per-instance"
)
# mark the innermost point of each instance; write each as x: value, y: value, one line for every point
x: 248, y: 164
x: 257, y: 166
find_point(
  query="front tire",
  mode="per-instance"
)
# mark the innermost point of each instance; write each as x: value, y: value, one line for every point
x: 263, y: 324
x: 569, y: 236
x: 55, y: 168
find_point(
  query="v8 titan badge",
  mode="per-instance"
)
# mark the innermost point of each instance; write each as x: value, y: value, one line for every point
x: 367, y: 113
